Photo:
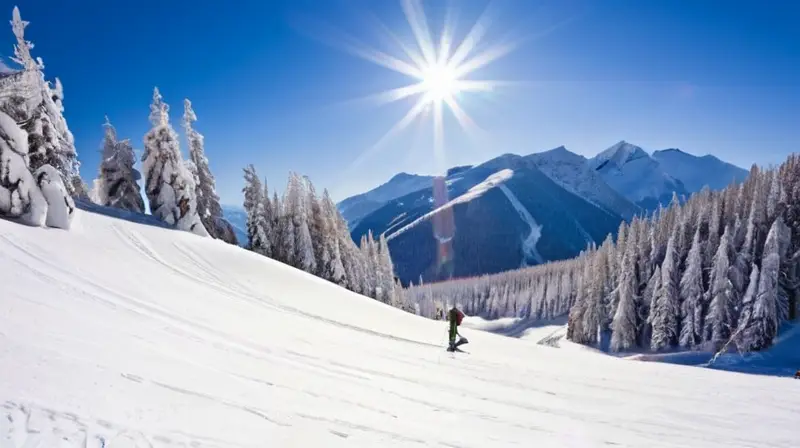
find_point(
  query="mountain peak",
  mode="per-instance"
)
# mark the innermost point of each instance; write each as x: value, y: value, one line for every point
x: 671, y: 150
x: 619, y: 154
x: 559, y: 154
x: 402, y: 176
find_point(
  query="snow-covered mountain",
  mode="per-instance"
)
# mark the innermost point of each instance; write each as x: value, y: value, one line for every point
x: 572, y: 171
x: 122, y: 334
x: 506, y: 213
x: 356, y: 207
x: 632, y: 172
x: 696, y: 172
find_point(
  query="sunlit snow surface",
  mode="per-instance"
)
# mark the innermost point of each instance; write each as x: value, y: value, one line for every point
x: 118, y: 334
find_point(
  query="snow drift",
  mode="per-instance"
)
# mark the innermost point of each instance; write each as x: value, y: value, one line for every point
x: 122, y: 334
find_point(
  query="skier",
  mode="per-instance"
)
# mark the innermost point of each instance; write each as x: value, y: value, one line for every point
x: 455, y: 316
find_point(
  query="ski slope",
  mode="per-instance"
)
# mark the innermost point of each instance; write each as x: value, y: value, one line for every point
x: 118, y: 334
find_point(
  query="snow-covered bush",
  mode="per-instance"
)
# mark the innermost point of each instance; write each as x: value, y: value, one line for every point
x: 60, y: 206
x: 20, y: 197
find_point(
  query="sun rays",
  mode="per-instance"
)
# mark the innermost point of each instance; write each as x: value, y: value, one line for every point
x: 439, y: 69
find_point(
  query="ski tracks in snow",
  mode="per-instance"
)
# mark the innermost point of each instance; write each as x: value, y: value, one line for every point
x: 529, y: 243
x: 32, y: 426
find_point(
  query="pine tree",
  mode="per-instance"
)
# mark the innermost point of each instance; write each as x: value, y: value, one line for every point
x: 50, y: 140
x: 318, y: 228
x: 117, y: 183
x: 336, y: 271
x: 649, y: 302
x: 720, y: 319
x: 765, y: 317
x: 386, y: 268
x: 666, y: 314
x: 168, y: 184
x: 208, y: 207
x: 257, y: 224
x: 304, y: 251
x: 746, y: 315
x: 626, y: 323
x: 691, y: 290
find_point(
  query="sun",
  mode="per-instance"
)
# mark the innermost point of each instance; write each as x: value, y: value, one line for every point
x: 440, y: 83
x: 440, y: 70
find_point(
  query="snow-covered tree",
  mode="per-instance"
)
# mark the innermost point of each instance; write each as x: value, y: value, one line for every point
x: 319, y: 229
x: 169, y: 185
x: 746, y: 316
x: 666, y: 313
x: 626, y: 324
x: 691, y: 291
x: 117, y: 183
x: 649, y: 302
x: 298, y: 208
x: 386, y: 269
x: 258, y: 226
x: 722, y: 297
x: 50, y: 140
x: 766, y: 314
x: 208, y: 206
x: 335, y: 270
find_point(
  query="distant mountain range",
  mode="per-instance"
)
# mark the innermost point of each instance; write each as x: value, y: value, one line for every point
x: 356, y: 207
x: 236, y: 215
x: 520, y: 210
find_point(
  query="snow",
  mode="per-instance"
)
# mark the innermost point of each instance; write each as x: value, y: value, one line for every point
x: 221, y: 347
x: 696, y: 172
x: 20, y: 197
x: 619, y: 154
x: 782, y: 359
x: 493, y: 180
x: 572, y: 172
x: 60, y: 206
x: 630, y: 171
x: 516, y: 327
x: 17, y: 137
x: 529, y: 244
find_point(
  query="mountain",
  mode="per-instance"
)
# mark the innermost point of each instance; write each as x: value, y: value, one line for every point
x: 237, y: 217
x: 696, y: 172
x: 572, y: 171
x: 506, y: 213
x: 354, y: 208
x: 117, y: 334
x: 632, y: 172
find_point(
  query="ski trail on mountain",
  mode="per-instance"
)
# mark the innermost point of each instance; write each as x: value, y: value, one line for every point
x: 529, y: 243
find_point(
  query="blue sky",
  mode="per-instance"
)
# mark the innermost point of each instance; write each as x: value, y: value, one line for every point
x: 720, y: 77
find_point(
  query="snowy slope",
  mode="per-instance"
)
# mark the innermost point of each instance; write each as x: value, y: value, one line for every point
x: 630, y: 171
x: 356, y: 207
x: 696, y: 172
x: 572, y: 171
x: 119, y: 334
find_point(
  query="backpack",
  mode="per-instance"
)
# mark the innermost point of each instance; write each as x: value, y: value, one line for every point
x: 458, y: 317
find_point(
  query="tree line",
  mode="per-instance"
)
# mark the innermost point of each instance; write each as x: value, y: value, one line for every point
x: 307, y: 231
